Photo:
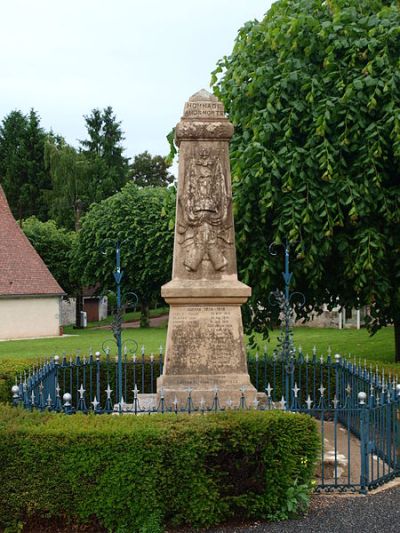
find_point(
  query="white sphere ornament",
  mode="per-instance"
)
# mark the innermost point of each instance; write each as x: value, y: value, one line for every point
x: 67, y: 398
x: 362, y: 396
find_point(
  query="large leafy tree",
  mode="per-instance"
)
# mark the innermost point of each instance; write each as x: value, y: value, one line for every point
x: 313, y: 91
x: 104, y: 150
x: 54, y: 245
x: 150, y: 171
x: 142, y: 220
x: 23, y: 174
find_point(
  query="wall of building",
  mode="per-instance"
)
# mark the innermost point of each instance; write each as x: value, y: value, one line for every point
x: 337, y: 318
x: 29, y: 317
x: 103, y: 308
x: 68, y: 312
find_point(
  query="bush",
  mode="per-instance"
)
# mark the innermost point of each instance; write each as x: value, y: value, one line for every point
x: 8, y: 371
x: 141, y: 473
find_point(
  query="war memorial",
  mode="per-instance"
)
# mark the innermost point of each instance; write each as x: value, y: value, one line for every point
x: 205, y: 349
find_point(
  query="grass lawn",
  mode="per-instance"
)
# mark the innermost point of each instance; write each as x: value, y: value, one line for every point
x: 81, y: 340
x: 346, y: 342
x: 129, y: 317
x: 379, y: 348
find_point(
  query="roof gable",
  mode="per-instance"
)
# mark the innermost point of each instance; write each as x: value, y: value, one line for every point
x: 22, y: 270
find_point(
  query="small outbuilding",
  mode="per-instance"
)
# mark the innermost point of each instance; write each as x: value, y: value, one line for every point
x: 30, y: 297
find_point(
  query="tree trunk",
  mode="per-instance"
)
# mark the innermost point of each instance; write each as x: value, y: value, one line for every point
x: 79, y: 297
x: 20, y: 215
x: 397, y: 341
x: 144, y: 315
x: 78, y: 309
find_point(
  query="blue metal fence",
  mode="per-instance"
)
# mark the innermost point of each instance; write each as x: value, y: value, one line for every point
x: 357, y: 408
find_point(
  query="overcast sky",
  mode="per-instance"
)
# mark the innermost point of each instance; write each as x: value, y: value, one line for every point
x: 142, y: 57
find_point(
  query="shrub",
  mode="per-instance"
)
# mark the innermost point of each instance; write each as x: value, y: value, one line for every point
x: 141, y: 473
x: 8, y: 371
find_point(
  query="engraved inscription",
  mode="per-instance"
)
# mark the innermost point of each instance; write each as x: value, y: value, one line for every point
x: 203, y: 228
x: 204, y: 338
x: 204, y: 109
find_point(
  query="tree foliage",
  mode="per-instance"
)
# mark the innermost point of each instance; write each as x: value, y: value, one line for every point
x: 142, y: 220
x: 54, y: 245
x: 313, y: 91
x: 105, y: 151
x: 73, y: 186
x: 150, y: 171
x: 23, y: 175
x: 91, y: 174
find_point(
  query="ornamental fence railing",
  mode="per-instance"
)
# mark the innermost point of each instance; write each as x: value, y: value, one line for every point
x: 357, y: 407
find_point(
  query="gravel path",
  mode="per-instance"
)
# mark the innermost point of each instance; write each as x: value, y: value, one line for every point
x: 378, y: 512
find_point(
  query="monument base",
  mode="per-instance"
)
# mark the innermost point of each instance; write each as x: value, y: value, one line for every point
x: 205, y: 390
x: 205, y: 354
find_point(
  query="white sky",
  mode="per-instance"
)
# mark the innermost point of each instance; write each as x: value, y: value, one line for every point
x: 142, y: 57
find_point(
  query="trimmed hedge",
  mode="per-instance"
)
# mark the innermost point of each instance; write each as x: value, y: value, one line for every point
x: 142, y: 473
x: 8, y: 370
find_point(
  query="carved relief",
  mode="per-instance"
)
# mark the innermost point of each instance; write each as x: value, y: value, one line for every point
x: 203, y: 130
x: 204, y: 229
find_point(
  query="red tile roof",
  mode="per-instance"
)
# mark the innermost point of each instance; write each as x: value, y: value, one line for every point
x: 22, y: 270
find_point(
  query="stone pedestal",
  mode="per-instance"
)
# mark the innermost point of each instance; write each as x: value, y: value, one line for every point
x: 205, y: 350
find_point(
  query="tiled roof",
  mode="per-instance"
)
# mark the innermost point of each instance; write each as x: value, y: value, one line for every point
x: 22, y: 270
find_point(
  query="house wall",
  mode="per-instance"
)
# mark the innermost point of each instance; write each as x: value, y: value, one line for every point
x: 68, y: 312
x: 103, y: 308
x: 349, y: 318
x: 29, y: 317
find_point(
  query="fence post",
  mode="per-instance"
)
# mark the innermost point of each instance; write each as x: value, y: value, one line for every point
x: 364, y: 437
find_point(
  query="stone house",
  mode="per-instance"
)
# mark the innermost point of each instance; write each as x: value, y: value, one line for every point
x: 30, y: 297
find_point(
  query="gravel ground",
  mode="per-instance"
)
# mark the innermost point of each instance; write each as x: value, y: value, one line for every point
x: 378, y: 512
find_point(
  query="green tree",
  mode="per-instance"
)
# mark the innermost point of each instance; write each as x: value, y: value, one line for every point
x: 23, y: 174
x: 150, y: 171
x: 104, y: 150
x: 143, y: 221
x: 54, y: 245
x: 313, y: 91
x: 73, y: 186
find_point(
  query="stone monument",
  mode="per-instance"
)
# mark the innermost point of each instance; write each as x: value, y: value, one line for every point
x: 205, y: 351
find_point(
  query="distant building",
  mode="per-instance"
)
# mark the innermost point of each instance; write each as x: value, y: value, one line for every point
x: 95, y: 306
x: 337, y: 318
x: 30, y: 297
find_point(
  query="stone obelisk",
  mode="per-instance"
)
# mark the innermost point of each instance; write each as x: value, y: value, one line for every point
x: 205, y: 351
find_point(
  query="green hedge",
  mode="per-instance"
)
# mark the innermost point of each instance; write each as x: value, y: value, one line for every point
x: 142, y: 473
x: 8, y: 370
